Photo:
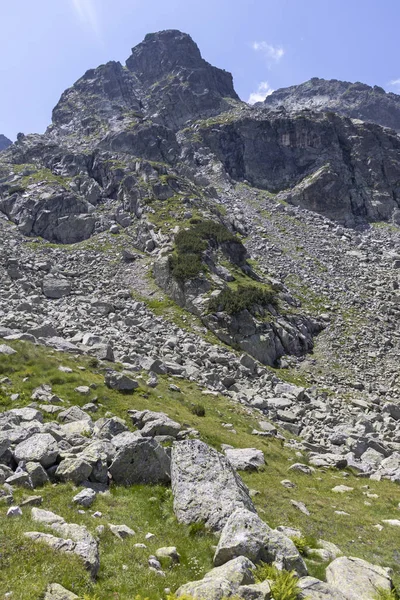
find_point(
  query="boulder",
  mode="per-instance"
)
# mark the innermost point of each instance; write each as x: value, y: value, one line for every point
x: 141, y: 460
x: 40, y: 447
x: 55, y: 591
x: 120, y: 382
x: 205, y: 485
x: 74, y: 469
x: 358, y: 578
x: 245, y: 534
x: 153, y: 423
x: 314, y: 589
x: 221, y: 582
x: 245, y: 459
x: 55, y: 287
x: 74, y: 539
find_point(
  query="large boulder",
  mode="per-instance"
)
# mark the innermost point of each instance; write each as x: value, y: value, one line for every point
x: 205, y: 486
x: 141, y: 460
x: 40, y: 447
x: 357, y: 578
x: 245, y: 534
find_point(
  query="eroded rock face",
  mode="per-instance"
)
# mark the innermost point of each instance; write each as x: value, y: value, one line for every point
x: 316, y: 161
x: 205, y: 486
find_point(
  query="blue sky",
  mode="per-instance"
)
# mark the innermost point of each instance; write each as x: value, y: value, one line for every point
x: 266, y: 44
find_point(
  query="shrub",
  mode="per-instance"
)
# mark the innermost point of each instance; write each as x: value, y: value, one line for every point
x: 185, y: 266
x: 283, y: 584
x: 198, y: 410
x: 244, y: 297
x: 197, y: 529
x: 304, y: 543
x: 190, y: 243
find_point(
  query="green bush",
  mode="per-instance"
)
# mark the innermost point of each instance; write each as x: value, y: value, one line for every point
x: 244, y: 297
x: 185, y: 266
x: 304, y: 543
x: 197, y: 529
x: 198, y: 410
x: 186, y: 262
x: 284, y: 585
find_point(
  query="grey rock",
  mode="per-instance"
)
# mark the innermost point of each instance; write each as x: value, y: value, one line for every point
x: 55, y: 591
x: 357, y: 578
x: 40, y: 447
x: 205, y: 486
x: 245, y: 459
x: 245, y: 534
x: 85, y: 497
x: 54, y: 287
x: 141, y: 460
x: 120, y: 382
x: 314, y: 589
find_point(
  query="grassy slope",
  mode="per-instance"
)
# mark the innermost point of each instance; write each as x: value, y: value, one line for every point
x: 26, y: 568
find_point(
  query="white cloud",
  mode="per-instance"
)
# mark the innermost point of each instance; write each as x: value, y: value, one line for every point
x: 263, y: 90
x: 395, y: 83
x: 87, y: 15
x: 272, y: 54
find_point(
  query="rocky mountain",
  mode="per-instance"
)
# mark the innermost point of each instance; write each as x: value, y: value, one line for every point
x: 4, y: 142
x: 354, y: 100
x: 198, y: 318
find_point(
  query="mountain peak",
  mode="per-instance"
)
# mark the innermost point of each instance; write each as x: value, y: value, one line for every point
x: 162, y: 52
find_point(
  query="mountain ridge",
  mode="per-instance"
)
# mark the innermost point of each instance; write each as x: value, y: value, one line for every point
x: 355, y: 100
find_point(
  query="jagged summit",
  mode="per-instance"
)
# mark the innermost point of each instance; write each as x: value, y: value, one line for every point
x: 162, y: 52
x: 165, y: 80
x: 4, y: 142
x: 355, y: 100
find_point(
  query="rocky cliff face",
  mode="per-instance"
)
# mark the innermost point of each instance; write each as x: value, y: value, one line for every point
x: 4, y: 142
x: 355, y: 100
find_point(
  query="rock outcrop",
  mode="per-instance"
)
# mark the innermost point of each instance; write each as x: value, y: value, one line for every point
x: 4, y: 142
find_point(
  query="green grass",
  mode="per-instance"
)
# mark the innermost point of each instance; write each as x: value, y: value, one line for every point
x: 27, y: 568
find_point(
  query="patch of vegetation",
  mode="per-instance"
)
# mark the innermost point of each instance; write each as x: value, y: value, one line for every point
x: 199, y: 410
x: 249, y: 297
x: 186, y: 262
x: 284, y: 585
x: 382, y: 594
